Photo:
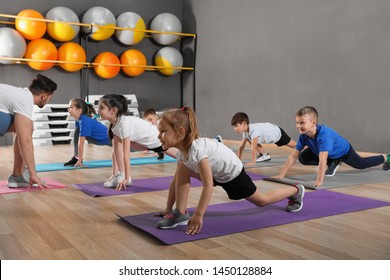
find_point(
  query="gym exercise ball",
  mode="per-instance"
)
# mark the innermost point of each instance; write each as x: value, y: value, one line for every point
x: 99, y: 16
x: 130, y: 20
x: 60, y: 30
x: 12, y: 44
x: 41, y: 49
x: 168, y: 57
x: 134, y: 58
x: 28, y: 28
x: 103, y: 68
x: 71, y: 52
x: 165, y: 22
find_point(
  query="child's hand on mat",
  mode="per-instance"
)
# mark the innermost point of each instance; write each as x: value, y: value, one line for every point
x: 278, y: 176
x: 194, y: 225
x: 318, y: 183
x: 251, y: 163
x: 79, y: 163
x: 122, y: 185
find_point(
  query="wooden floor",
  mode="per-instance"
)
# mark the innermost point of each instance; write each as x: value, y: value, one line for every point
x: 68, y: 224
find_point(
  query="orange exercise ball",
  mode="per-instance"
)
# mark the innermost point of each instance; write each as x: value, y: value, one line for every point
x: 41, y: 49
x: 103, y: 68
x: 71, y: 52
x: 134, y: 58
x: 30, y: 29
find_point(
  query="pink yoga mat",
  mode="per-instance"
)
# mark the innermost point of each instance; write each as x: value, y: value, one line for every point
x: 53, y: 184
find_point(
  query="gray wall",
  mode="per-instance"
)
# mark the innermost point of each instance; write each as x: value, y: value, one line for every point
x: 271, y: 57
x: 265, y: 57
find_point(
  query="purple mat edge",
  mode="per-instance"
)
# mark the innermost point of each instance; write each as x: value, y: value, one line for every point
x: 140, y: 186
x: 147, y: 223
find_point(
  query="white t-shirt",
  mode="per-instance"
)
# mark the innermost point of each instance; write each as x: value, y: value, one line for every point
x: 224, y: 163
x: 267, y: 133
x: 137, y: 130
x: 16, y: 100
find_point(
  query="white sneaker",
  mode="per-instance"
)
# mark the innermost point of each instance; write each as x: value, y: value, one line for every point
x: 112, y: 182
x: 115, y: 179
x: 263, y: 157
x: 218, y: 138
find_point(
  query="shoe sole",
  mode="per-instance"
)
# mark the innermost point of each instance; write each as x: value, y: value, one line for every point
x: 18, y: 185
x: 263, y: 160
x: 299, y: 209
x: 174, y: 225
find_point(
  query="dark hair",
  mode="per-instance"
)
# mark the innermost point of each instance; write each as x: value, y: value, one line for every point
x: 184, y: 117
x: 239, y: 117
x: 307, y: 110
x: 42, y: 84
x: 86, y: 108
x: 115, y: 101
x: 149, y: 111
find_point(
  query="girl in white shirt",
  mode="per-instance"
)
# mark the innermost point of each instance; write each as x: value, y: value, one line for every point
x: 124, y: 131
x: 214, y: 164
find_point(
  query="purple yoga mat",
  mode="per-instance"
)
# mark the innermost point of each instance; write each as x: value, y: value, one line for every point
x: 233, y: 217
x: 140, y: 185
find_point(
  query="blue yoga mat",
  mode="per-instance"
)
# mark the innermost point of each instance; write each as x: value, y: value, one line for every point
x: 45, y: 167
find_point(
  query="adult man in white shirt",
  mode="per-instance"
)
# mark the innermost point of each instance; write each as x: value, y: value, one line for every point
x: 16, y: 108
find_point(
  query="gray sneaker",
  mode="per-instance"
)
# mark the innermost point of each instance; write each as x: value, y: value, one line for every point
x: 295, y: 202
x: 173, y: 220
x: 332, y: 168
x: 17, y: 182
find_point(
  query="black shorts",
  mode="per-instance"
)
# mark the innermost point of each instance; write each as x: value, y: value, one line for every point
x: 240, y: 187
x: 284, y: 139
x: 157, y: 150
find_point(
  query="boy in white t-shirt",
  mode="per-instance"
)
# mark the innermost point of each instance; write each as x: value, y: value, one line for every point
x: 257, y: 134
x: 151, y: 116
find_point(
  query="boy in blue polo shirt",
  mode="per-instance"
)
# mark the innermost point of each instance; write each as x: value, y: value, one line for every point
x: 326, y: 148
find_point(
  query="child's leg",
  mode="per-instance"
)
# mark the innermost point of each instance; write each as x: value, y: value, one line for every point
x: 76, y: 141
x: 182, y: 187
x: 118, y: 155
x: 307, y: 157
x: 172, y: 152
x: 292, y: 144
x: 259, y: 149
x: 358, y: 162
x: 138, y: 147
x: 262, y: 199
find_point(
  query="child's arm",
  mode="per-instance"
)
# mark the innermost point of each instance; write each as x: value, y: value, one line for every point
x: 292, y: 158
x: 241, y: 147
x: 81, y: 151
x: 323, y: 157
x: 254, y: 143
x: 126, y: 161
x: 196, y: 221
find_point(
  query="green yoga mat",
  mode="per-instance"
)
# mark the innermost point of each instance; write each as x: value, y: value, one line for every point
x: 341, y: 179
x: 45, y: 167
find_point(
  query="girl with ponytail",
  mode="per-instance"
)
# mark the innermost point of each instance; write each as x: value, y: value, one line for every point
x: 214, y: 164
x: 126, y: 131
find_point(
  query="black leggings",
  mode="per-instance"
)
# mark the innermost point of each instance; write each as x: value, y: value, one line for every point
x: 307, y: 157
